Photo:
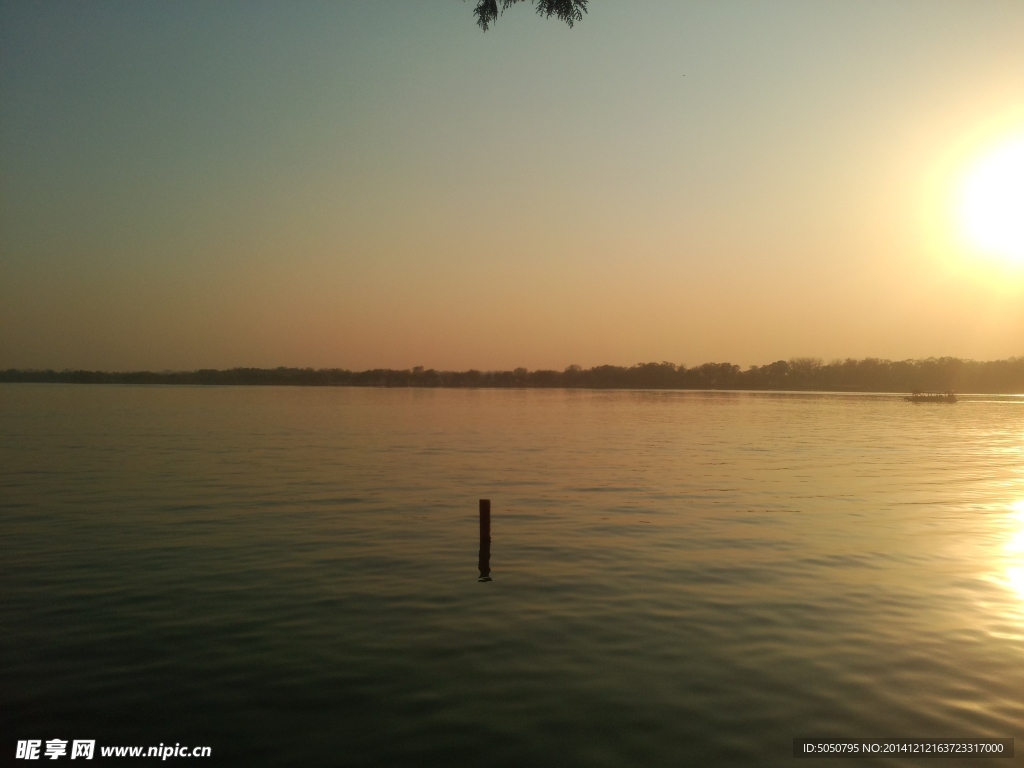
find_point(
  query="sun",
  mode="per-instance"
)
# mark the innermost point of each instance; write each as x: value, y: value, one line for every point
x: 992, y: 202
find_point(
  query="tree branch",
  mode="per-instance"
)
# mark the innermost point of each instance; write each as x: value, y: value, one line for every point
x: 569, y: 11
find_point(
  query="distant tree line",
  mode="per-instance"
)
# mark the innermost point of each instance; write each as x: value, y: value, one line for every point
x: 801, y: 374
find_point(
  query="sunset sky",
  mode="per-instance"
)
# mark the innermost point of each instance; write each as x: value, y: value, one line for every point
x: 381, y: 184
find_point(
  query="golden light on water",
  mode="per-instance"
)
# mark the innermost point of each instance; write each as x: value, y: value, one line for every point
x: 992, y: 202
x: 1014, y: 549
x: 1015, y: 578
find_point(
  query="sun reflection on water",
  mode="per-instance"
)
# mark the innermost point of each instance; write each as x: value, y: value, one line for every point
x: 1014, y: 549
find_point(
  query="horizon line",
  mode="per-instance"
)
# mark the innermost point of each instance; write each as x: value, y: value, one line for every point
x: 796, y: 362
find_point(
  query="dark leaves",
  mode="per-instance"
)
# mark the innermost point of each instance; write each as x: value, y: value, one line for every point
x: 569, y: 11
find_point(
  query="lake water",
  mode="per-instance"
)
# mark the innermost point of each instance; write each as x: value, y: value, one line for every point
x: 288, y: 575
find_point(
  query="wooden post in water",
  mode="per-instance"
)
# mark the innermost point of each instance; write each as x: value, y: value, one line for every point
x: 485, y: 540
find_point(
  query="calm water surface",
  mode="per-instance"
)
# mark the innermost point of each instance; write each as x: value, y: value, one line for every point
x: 679, y: 578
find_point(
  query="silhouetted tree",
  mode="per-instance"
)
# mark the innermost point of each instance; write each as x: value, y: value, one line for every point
x: 569, y: 11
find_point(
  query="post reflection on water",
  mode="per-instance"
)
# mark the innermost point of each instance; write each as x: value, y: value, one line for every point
x: 484, y: 563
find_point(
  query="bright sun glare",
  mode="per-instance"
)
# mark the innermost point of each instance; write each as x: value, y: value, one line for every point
x: 992, y: 202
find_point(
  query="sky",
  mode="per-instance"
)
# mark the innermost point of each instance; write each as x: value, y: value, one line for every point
x: 382, y: 184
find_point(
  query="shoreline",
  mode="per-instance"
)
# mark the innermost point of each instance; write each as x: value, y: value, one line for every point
x: 864, y: 376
